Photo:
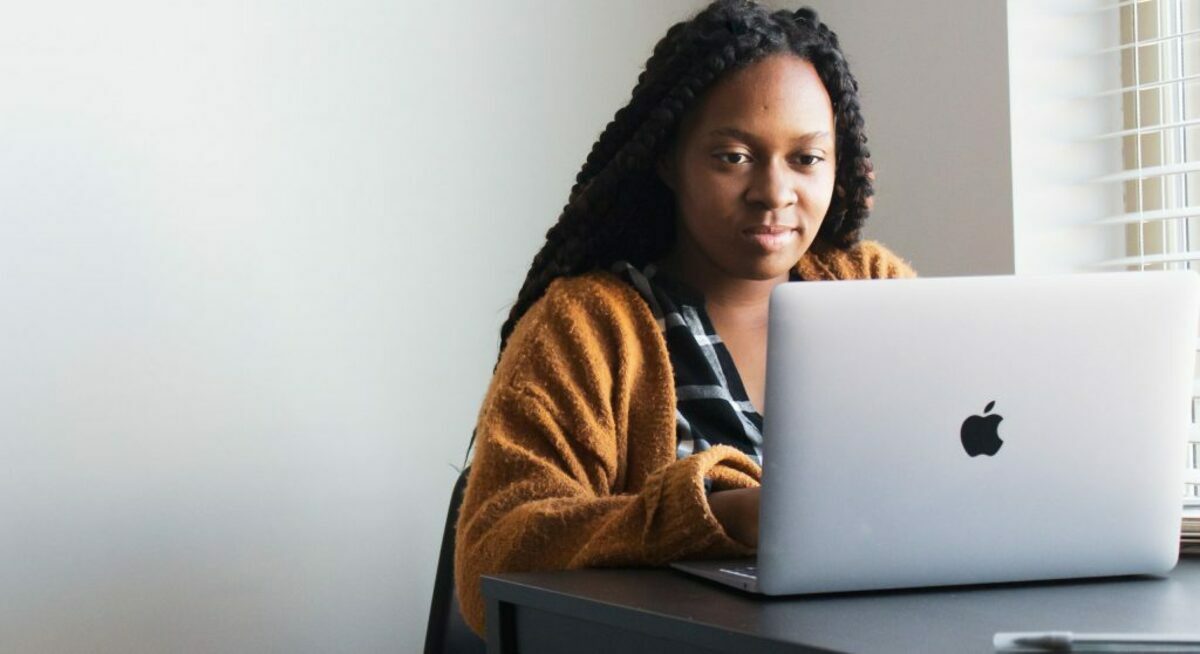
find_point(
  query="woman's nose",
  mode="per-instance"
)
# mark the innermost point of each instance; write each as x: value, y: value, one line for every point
x: 772, y: 186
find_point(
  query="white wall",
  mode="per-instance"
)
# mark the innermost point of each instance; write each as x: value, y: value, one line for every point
x: 253, y: 260
x: 934, y: 85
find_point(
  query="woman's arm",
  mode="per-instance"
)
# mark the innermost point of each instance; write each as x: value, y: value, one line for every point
x: 575, y: 462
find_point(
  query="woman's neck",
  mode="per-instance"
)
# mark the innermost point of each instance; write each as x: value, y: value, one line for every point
x: 735, y: 300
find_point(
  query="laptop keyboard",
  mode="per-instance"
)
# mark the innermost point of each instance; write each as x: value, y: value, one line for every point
x: 749, y: 570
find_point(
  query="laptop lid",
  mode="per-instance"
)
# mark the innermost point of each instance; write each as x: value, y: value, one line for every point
x: 968, y: 430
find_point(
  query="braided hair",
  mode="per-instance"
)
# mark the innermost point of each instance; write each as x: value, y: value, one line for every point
x: 618, y: 207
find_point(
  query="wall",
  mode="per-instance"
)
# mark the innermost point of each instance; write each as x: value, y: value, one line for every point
x: 253, y: 261
x: 254, y: 256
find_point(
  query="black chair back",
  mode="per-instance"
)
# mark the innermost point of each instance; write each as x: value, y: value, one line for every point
x: 447, y: 632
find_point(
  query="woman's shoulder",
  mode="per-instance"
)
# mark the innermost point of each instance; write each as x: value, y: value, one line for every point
x: 594, y: 312
x: 603, y: 285
x: 591, y: 296
x: 862, y: 260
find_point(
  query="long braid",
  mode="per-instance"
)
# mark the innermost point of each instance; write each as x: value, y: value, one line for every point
x: 849, y: 209
x: 619, y: 209
x: 627, y: 118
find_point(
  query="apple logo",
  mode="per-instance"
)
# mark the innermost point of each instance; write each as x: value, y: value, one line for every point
x: 979, y: 433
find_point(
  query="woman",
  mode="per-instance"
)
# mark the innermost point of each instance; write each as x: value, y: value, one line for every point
x: 621, y: 426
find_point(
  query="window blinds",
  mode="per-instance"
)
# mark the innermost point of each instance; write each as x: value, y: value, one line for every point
x: 1159, y: 54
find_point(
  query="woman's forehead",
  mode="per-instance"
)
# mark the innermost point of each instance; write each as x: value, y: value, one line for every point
x: 778, y: 92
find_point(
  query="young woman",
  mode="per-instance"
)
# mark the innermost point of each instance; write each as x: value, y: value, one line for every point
x: 622, y: 425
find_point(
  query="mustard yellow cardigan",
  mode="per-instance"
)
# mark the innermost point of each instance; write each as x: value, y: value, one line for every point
x: 575, y: 444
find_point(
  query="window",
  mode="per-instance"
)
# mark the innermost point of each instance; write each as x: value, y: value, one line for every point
x: 1160, y: 147
x: 1105, y: 122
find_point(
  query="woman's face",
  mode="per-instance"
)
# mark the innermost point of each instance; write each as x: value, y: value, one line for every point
x: 753, y: 170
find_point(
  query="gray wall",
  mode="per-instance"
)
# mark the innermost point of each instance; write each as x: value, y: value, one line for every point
x: 934, y: 82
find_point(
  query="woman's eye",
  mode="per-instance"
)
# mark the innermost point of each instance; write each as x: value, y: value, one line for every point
x: 810, y: 159
x: 733, y: 158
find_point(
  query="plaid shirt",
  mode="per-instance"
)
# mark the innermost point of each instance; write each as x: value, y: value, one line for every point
x: 711, y: 405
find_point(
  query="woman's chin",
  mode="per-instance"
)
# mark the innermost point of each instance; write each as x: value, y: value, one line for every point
x: 776, y: 264
x: 770, y: 268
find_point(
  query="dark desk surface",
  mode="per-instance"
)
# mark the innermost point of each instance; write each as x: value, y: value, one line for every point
x: 659, y: 610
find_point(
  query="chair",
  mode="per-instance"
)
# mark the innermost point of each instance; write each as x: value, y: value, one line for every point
x: 447, y: 632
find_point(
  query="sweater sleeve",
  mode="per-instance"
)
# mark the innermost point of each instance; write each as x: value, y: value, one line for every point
x: 554, y: 482
x: 863, y: 260
x: 881, y: 263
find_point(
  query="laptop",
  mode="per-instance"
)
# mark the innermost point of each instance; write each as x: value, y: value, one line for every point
x: 932, y: 432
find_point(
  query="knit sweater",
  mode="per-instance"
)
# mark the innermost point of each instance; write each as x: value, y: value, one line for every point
x: 575, y: 460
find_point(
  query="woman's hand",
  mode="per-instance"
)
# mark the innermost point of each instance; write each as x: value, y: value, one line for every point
x: 737, y: 511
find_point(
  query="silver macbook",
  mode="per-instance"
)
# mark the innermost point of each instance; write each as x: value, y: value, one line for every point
x: 934, y: 432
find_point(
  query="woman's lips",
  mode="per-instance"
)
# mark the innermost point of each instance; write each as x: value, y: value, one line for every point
x: 771, y: 238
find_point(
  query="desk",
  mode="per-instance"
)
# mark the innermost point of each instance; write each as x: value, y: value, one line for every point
x: 660, y: 610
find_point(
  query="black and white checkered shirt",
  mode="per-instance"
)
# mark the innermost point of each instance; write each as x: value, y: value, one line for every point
x: 711, y: 405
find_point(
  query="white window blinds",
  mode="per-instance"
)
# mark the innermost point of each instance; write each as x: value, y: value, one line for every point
x: 1159, y: 54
